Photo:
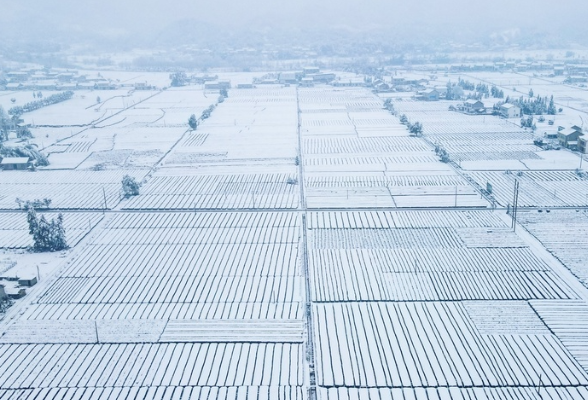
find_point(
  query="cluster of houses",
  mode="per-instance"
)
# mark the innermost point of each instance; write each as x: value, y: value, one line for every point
x: 60, y: 80
x: 308, y: 77
x: 13, y: 287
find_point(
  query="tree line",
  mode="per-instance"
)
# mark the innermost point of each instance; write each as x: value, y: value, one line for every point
x: 44, y: 102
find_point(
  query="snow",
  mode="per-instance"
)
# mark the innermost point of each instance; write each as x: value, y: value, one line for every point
x: 200, y: 286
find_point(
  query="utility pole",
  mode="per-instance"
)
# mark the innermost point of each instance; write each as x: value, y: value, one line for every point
x: 515, y: 204
x: 455, y: 201
x: 105, y: 204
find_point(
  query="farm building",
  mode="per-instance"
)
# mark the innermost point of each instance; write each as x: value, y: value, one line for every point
x: 245, y: 86
x: 217, y: 85
x: 17, y: 76
x: 558, y: 71
x: 473, y: 106
x: 307, y: 82
x: 289, y: 76
x: 429, y: 95
x: 14, y: 163
x: 508, y: 110
x: 27, y: 281
x: 569, y: 137
x: 310, y: 70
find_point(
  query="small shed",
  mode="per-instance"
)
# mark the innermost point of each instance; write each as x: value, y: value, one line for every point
x: 15, y: 163
x: 27, y: 281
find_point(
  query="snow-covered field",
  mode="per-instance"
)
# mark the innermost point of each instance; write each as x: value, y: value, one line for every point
x: 299, y: 241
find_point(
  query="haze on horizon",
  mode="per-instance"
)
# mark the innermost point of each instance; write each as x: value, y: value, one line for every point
x: 141, y: 21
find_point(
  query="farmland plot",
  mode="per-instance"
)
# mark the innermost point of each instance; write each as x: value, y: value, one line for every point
x: 255, y: 127
x: 537, y: 188
x: 432, y: 345
x: 245, y: 264
x: 66, y: 189
x: 421, y: 188
x: 14, y: 229
x: 367, y: 257
x: 213, y: 301
x: 218, y: 192
x: 569, y: 321
x: 565, y: 234
x: 82, y: 110
x: 454, y: 393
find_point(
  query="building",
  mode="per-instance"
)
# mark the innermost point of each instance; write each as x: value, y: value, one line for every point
x: 324, y: 77
x: 27, y: 281
x: 14, y: 86
x: 569, y: 137
x: 15, y: 163
x: 583, y: 144
x: 217, y: 85
x: 508, y: 110
x: 310, y: 70
x: 307, y: 82
x: 473, y: 106
x: 558, y: 71
x: 290, y: 76
x: 429, y: 95
x: 18, y: 76
x: 245, y: 86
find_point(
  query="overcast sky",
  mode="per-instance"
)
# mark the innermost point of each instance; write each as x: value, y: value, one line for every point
x: 111, y: 17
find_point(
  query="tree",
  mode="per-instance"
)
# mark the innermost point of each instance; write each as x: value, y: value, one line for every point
x: 130, y: 186
x: 193, y: 122
x: 24, y: 133
x: 224, y: 93
x: 416, y: 129
x: 178, y: 79
x: 551, y: 108
x: 531, y: 93
x: 98, y: 99
x: 47, y: 235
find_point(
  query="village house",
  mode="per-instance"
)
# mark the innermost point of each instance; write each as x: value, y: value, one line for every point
x: 508, y: 110
x: 473, y: 106
x: 14, y: 86
x: 429, y: 95
x: 569, y: 137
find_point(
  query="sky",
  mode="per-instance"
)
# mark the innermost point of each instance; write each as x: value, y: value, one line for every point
x: 143, y: 17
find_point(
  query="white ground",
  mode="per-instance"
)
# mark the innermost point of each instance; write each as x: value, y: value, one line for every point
x: 223, y: 279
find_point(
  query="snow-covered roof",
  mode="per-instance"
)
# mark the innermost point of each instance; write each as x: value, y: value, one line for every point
x: 14, y: 160
x: 569, y: 131
x: 508, y: 105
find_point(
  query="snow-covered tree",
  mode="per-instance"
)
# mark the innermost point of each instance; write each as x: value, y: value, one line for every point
x: 130, y: 186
